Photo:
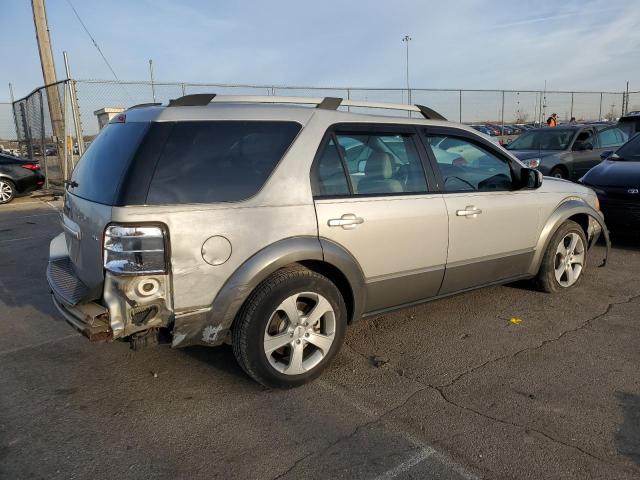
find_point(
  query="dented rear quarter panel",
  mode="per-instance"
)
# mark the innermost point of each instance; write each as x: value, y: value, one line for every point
x: 282, y: 209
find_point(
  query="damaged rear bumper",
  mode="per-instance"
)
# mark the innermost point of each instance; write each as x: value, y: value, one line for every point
x: 123, y: 306
x: 69, y: 296
x: 90, y: 319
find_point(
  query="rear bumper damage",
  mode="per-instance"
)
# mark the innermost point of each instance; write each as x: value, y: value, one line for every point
x: 128, y: 306
x: 90, y: 319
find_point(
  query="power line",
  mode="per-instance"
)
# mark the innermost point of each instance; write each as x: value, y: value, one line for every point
x: 93, y: 40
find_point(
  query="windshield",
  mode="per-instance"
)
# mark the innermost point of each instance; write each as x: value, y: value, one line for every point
x: 547, y: 139
x: 630, y: 151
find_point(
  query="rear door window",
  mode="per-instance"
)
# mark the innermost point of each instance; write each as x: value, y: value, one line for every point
x: 612, y: 137
x: 380, y: 163
x: 218, y: 161
x: 99, y: 172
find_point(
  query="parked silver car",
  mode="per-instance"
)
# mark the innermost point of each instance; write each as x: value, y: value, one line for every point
x: 567, y: 151
x: 273, y: 227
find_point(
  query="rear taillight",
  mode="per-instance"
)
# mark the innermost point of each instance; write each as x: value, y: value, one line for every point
x: 132, y: 250
x: 31, y: 166
x: 121, y: 118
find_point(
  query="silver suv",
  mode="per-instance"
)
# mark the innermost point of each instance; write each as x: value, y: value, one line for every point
x: 270, y: 225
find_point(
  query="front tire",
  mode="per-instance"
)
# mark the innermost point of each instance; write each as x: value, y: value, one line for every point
x: 559, y: 172
x: 7, y: 190
x: 290, y: 328
x: 564, y: 260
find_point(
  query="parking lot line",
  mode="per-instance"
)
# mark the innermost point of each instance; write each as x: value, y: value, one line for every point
x: 418, y: 458
x: 54, y: 207
x: 39, y: 344
x: 392, y: 426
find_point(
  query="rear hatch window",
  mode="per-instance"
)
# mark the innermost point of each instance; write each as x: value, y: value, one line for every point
x: 218, y: 161
x: 99, y: 172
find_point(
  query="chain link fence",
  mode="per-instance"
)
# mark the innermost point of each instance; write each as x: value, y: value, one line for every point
x: 8, y: 134
x: 28, y: 124
x: 41, y: 135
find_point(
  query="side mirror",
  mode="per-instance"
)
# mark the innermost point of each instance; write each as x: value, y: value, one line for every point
x: 606, y: 154
x: 530, y: 178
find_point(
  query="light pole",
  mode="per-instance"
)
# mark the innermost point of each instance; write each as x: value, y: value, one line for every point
x: 407, y: 39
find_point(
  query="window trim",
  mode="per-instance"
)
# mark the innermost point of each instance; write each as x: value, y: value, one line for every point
x: 343, y: 128
x: 427, y: 130
x: 324, y: 144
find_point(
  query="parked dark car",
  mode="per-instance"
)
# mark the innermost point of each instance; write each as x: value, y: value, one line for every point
x: 483, y: 129
x: 18, y: 176
x: 495, y: 131
x: 630, y: 123
x: 568, y: 151
x: 50, y: 150
x: 617, y: 182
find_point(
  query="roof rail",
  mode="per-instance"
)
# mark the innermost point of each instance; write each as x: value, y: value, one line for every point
x: 324, y: 103
x: 141, y: 105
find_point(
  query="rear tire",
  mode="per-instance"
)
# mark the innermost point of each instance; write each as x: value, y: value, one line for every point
x: 558, y: 172
x: 564, y: 260
x: 290, y: 328
x: 7, y: 190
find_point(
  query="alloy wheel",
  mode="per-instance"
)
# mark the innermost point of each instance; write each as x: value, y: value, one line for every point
x: 299, y: 333
x: 569, y: 259
x: 6, y: 192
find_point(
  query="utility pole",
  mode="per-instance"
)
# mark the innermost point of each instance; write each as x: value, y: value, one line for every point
x: 48, y: 72
x: 153, y: 88
x: 543, y: 105
x: 625, y: 108
x: 75, y: 111
x: 406, y: 39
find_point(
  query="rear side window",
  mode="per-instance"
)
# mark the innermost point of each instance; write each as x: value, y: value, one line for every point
x: 612, y: 137
x: 99, y: 172
x: 204, y: 162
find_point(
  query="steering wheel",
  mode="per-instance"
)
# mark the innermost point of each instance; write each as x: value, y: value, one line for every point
x: 461, y: 179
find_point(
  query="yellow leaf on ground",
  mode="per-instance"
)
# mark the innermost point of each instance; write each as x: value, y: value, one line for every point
x: 516, y: 321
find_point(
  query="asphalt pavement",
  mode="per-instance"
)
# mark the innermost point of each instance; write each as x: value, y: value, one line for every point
x: 503, y: 382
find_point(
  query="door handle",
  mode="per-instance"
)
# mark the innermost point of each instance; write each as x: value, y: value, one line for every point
x: 469, y: 211
x: 348, y: 221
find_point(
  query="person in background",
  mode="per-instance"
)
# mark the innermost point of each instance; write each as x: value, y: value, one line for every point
x: 573, y: 121
x: 552, y: 121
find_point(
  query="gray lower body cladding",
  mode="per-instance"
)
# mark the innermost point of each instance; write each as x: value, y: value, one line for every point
x: 211, y: 325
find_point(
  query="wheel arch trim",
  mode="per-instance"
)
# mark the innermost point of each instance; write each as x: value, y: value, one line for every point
x: 567, y: 209
x: 210, y: 325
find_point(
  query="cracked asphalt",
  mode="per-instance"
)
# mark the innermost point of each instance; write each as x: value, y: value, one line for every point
x: 461, y: 391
